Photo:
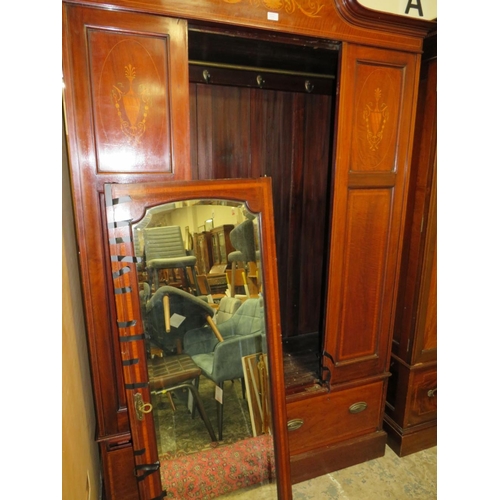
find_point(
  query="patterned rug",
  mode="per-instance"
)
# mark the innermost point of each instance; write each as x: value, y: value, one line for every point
x: 225, y: 468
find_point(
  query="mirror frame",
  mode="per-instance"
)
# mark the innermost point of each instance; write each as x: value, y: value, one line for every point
x: 126, y: 204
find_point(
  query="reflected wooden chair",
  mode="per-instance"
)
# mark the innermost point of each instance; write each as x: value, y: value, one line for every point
x: 205, y: 290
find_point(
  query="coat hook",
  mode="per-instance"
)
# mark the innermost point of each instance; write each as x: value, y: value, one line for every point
x: 260, y: 81
x: 206, y: 76
x: 309, y: 86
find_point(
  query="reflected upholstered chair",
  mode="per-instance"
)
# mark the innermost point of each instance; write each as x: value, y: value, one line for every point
x: 243, y: 334
x: 170, y: 313
x: 164, y: 249
x: 227, y: 308
x: 243, y: 240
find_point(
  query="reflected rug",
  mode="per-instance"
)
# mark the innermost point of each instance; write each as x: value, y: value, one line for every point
x: 221, y: 470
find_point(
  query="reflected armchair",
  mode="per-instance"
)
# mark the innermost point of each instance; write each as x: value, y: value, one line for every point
x: 227, y: 308
x: 220, y: 361
x: 170, y: 313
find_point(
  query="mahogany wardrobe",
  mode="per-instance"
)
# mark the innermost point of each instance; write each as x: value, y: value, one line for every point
x: 319, y: 96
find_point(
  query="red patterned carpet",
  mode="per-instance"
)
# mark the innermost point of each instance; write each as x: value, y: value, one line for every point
x: 221, y: 470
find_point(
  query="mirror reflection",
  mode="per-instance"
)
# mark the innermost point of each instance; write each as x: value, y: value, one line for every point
x: 202, y: 305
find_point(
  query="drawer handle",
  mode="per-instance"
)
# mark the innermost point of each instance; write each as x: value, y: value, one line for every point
x: 358, y: 407
x: 141, y: 407
x: 295, y: 424
x: 432, y: 393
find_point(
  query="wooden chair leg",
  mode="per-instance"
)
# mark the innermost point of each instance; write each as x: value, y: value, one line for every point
x: 171, y: 401
x: 233, y: 279
x: 195, y: 281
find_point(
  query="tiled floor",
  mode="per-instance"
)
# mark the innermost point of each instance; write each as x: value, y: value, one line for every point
x: 389, y: 477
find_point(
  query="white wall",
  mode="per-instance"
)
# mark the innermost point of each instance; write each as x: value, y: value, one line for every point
x: 195, y: 216
x: 429, y: 7
x: 80, y: 455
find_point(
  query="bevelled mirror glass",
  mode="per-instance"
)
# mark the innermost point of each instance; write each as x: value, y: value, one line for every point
x: 194, y: 269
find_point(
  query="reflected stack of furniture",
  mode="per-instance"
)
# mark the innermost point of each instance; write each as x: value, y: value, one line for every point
x: 217, y: 279
x: 221, y: 244
x: 331, y: 120
x: 211, y: 249
x: 203, y: 251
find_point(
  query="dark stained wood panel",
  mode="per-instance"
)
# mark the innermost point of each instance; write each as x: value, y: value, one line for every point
x: 430, y: 324
x: 423, y: 397
x: 251, y: 49
x: 315, y: 201
x: 411, y: 410
x: 243, y: 132
x: 415, y: 330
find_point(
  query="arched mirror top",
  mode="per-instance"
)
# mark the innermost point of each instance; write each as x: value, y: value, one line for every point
x: 152, y: 195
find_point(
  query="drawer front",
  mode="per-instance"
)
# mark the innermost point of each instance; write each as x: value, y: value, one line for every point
x: 118, y: 470
x: 334, y: 417
x: 423, y: 397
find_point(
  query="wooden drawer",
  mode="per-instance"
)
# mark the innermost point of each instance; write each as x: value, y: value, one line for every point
x: 422, y: 397
x: 118, y: 465
x: 333, y: 417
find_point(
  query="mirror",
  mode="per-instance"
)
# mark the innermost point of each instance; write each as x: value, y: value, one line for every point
x: 195, y: 278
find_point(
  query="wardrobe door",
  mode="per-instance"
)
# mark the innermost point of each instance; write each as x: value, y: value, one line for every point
x: 126, y: 108
x: 371, y: 182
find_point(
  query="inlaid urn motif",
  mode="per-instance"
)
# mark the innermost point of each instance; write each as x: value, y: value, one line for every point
x: 375, y: 116
x: 132, y: 107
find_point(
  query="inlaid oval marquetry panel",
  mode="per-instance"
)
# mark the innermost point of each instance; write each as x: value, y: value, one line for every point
x: 376, y: 118
x: 130, y: 102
